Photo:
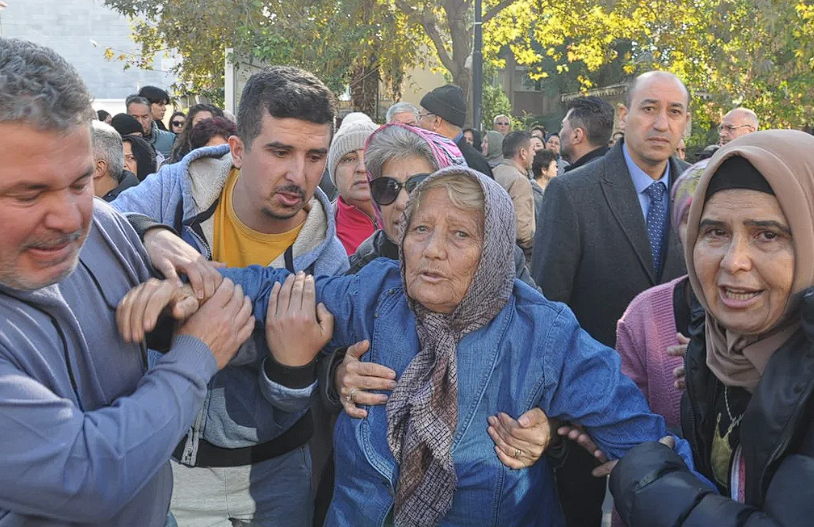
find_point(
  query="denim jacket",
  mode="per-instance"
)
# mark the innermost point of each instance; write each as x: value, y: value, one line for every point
x: 532, y: 354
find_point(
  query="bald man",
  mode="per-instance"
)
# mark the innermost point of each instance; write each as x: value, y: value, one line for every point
x: 607, y: 239
x: 736, y: 123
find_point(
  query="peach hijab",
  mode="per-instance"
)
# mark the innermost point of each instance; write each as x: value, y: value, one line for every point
x: 785, y: 159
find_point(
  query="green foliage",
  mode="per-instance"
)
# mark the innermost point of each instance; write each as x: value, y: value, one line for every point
x: 758, y: 53
x: 495, y: 102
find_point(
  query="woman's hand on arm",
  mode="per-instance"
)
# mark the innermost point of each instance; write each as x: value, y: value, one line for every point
x: 296, y: 328
x: 353, y: 377
x: 520, y: 443
x: 679, y: 350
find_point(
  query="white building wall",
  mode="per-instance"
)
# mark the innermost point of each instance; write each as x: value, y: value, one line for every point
x: 71, y: 27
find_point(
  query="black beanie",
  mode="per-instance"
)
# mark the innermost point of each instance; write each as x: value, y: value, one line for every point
x: 126, y: 124
x: 737, y: 172
x: 448, y: 103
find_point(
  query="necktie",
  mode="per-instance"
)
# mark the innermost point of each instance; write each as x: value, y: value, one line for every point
x: 657, y: 220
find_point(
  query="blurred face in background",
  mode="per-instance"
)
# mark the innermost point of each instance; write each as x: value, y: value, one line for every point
x: 200, y: 116
x: 143, y: 115
x: 130, y: 162
x: 553, y: 144
x: 177, y: 124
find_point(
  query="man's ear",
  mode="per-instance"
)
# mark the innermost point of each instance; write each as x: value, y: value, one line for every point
x: 579, y: 136
x: 238, y: 149
x: 623, y: 113
x: 99, y: 168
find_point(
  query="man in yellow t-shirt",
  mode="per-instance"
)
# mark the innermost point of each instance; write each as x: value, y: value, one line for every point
x: 254, y: 201
x: 238, y: 245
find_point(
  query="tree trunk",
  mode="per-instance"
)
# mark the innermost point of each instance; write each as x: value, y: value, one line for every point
x: 364, y: 89
x: 463, y: 80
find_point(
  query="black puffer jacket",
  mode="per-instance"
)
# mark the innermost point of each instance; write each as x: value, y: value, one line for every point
x: 653, y: 487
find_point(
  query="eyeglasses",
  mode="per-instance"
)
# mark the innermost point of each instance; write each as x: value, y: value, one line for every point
x: 384, y: 190
x: 731, y: 128
x: 177, y: 123
x: 502, y: 123
x: 423, y: 115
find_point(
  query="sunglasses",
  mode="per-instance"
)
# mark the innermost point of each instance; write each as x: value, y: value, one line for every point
x: 177, y: 123
x: 384, y: 190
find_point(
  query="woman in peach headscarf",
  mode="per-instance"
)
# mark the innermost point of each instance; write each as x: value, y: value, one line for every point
x: 750, y: 361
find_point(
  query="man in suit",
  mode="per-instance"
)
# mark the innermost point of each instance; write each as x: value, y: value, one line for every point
x: 604, y: 238
x: 585, y: 132
x: 443, y: 111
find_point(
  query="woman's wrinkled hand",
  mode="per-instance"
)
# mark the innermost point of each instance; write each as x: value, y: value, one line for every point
x: 520, y: 443
x: 679, y: 350
x: 296, y: 328
x: 353, y: 378
x: 139, y: 310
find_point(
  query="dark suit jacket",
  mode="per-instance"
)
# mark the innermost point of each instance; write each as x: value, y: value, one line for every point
x: 473, y: 158
x: 591, y: 249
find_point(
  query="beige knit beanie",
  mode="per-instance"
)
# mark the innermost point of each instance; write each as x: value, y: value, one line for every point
x: 350, y: 136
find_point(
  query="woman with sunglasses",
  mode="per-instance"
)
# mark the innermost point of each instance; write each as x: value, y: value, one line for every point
x: 399, y: 157
x: 177, y: 122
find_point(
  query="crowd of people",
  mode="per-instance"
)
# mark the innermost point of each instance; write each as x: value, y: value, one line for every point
x: 268, y: 319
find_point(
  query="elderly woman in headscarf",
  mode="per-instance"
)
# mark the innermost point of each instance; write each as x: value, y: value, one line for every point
x: 651, y: 336
x: 466, y: 340
x: 398, y: 157
x: 750, y: 362
x: 492, y: 148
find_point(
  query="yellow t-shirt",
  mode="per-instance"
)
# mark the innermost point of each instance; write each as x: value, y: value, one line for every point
x: 237, y: 245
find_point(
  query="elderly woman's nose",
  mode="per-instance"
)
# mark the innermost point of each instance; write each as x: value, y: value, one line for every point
x: 436, y: 245
x: 738, y: 256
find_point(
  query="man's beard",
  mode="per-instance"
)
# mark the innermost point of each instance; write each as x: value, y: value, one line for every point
x: 11, y: 277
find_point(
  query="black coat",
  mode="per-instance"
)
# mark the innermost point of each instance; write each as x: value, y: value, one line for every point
x: 593, y: 155
x: 474, y: 159
x: 777, y: 443
x: 591, y: 249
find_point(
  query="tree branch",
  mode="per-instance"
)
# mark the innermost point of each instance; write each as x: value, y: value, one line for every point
x: 427, y: 21
x: 492, y: 13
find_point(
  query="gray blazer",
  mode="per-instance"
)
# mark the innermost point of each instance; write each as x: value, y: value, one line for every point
x: 591, y: 249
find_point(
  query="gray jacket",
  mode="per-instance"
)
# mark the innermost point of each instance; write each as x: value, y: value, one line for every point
x: 162, y: 140
x: 244, y: 406
x: 87, y: 431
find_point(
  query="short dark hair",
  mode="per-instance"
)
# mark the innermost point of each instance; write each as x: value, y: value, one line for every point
x: 514, y: 141
x: 282, y: 91
x: 542, y: 160
x: 593, y: 115
x: 209, y: 128
x: 101, y: 115
x: 154, y: 94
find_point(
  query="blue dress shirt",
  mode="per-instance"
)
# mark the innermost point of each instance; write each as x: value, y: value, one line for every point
x: 641, y: 181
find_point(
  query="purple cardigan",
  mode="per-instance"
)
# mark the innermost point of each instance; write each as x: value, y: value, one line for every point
x: 643, y: 335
